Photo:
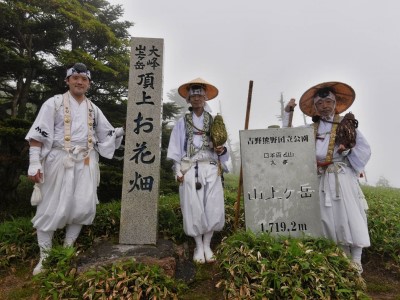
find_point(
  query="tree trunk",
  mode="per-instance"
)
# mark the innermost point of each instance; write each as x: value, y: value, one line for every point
x: 14, y: 107
x: 23, y: 96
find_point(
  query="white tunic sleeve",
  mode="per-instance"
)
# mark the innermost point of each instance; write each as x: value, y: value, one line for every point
x: 360, y: 153
x: 106, y: 138
x: 285, y: 119
x: 225, y: 157
x: 176, y: 146
x: 42, y: 129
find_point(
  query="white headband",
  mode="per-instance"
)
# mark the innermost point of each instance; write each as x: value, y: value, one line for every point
x: 197, y: 91
x: 329, y: 96
x: 71, y: 71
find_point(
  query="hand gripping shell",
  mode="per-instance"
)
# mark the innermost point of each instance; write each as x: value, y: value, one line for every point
x: 346, y: 131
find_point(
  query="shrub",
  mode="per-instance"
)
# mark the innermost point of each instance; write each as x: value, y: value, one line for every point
x: 250, y: 265
x: 17, y: 241
x: 110, y: 187
x: 170, y: 222
x: 105, y: 225
x: 57, y: 281
x: 123, y: 280
x: 264, y: 267
x: 384, y: 223
x: 128, y: 280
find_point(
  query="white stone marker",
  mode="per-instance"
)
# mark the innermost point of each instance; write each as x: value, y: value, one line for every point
x: 280, y: 184
x: 140, y: 186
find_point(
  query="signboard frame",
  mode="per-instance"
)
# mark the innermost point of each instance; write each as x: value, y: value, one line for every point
x: 280, y: 181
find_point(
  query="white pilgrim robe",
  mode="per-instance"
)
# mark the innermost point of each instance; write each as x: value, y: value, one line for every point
x: 203, y: 210
x: 69, y: 190
x: 343, y: 214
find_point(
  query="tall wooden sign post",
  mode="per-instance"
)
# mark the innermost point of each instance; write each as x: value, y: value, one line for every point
x: 140, y: 187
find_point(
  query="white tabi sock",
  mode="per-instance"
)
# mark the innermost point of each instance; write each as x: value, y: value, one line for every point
x: 356, y: 253
x: 45, y: 242
x: 209, y: 255
x: 198, y: 255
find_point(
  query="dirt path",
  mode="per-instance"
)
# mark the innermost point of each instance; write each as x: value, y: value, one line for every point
x: 381, y: 284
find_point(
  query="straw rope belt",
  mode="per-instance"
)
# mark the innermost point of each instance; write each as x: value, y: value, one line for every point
x: 76, y: 153
x: 202, y: 161
x: 334, y: 167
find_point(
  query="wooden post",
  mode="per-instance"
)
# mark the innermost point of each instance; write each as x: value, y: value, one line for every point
x: 246, y: 126
x: 290, y: 116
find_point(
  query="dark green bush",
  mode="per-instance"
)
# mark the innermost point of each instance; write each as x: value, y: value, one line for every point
x: 58, y: 279
x: 384, y: 223
x: 128, y: 280
x: 251, y: 265
x: 18, y: 238
x: 17, y: 123
x: 170, y: 223
x: 17, y: 241
x: 264, y: 267
x: 168, y: 184
x: 110, y: 187
x: 105, y: 225
x: 123, y: 280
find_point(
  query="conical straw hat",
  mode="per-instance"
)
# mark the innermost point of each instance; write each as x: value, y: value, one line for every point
x: 344, y: 94
x: 211, y: 91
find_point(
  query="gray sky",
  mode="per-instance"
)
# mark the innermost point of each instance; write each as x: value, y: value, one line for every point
x: 284, y: 47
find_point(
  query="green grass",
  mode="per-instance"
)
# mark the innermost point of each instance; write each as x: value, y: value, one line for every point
x: 125, y: 280
x: 384, y: 223
x: 258, y: 266
x: 289, y: 267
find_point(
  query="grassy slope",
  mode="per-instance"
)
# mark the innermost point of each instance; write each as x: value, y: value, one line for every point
x: 381, y: 260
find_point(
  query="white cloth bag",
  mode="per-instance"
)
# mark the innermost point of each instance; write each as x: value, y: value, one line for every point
x: 36, y: 197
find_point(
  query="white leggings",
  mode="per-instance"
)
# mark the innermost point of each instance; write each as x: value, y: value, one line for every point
x: 45, y: 238
x: 72, y: 234
x: 353, y: 252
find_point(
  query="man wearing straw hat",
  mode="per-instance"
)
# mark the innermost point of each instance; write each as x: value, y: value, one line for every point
x: 342, y: 153
x: 196, y: 168
x: 65, y: 141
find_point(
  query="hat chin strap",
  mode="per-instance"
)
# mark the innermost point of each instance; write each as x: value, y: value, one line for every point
x: 317, y: 118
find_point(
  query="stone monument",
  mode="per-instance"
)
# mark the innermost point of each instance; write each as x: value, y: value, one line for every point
x: 140, y: 186
x: 280, y: 184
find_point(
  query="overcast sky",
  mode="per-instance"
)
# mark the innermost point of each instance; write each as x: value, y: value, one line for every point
x: 284, y: 47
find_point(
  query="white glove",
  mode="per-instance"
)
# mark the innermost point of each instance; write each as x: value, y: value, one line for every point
x: 34, y: 161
